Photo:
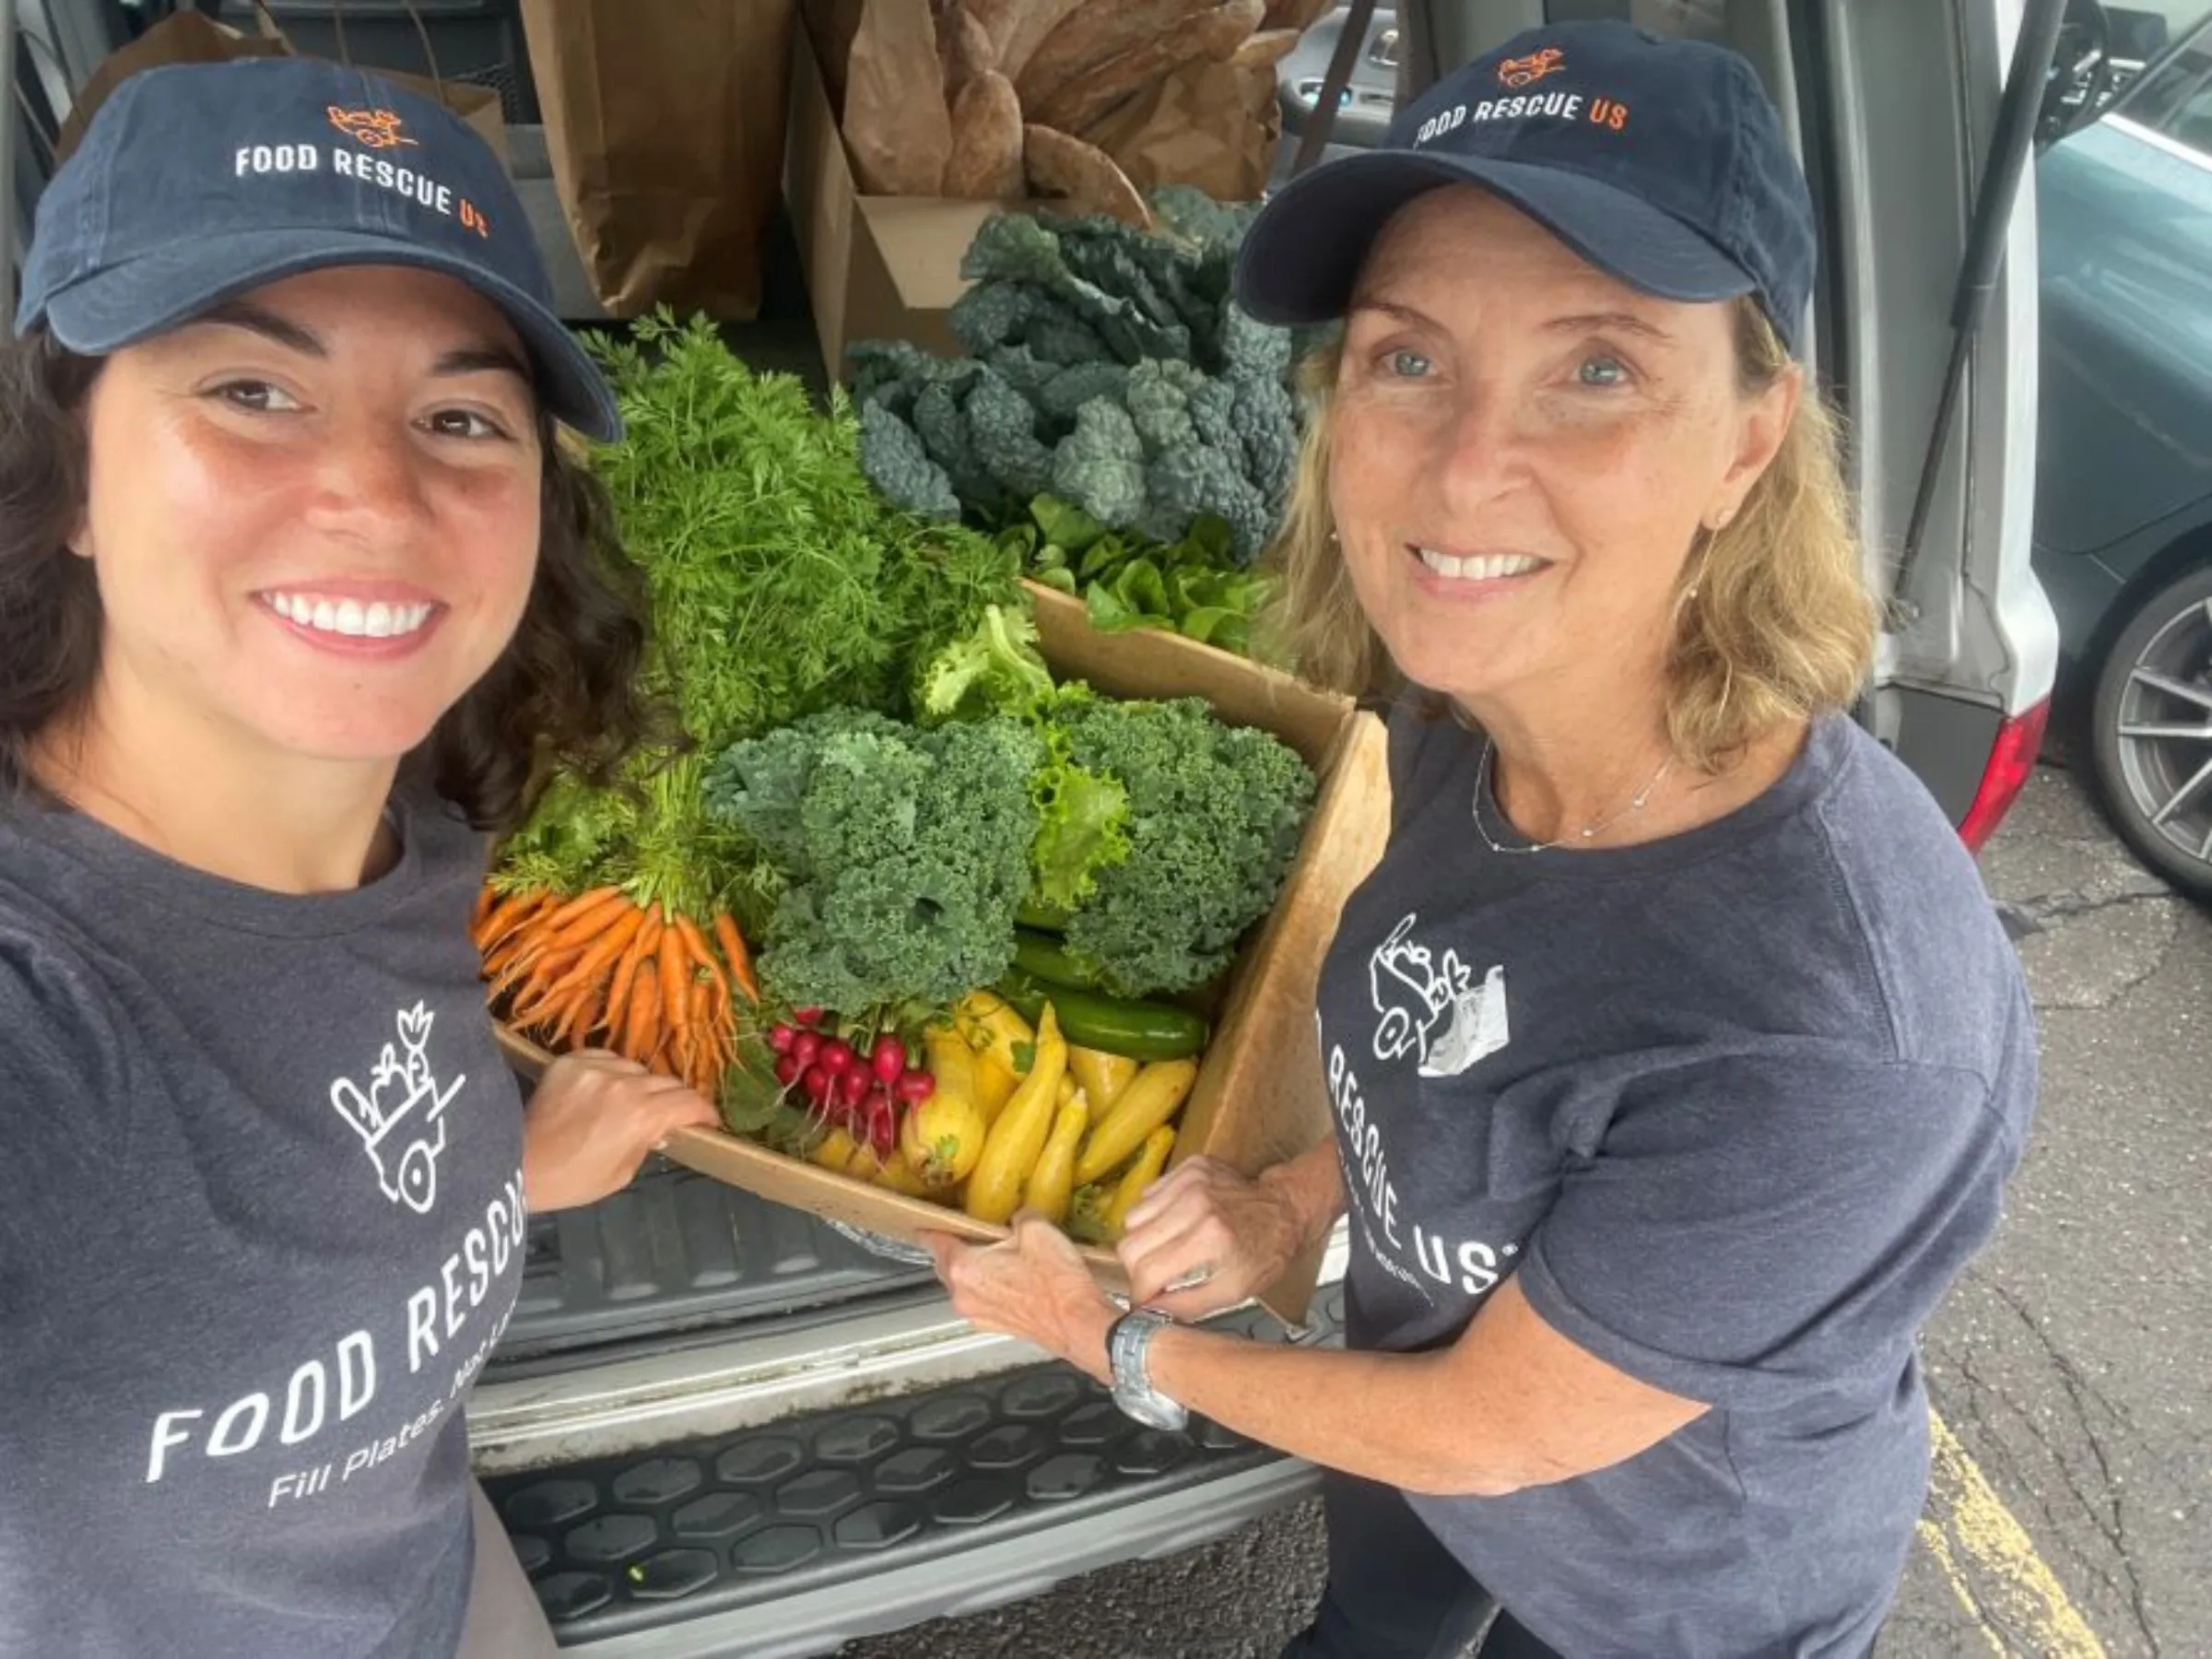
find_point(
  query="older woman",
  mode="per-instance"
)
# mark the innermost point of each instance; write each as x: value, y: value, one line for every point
x: 1678, y: 1059
x: 296, y: 585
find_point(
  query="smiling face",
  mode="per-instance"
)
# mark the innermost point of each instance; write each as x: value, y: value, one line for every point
x: 313, y: 514
x: 1523, y: 449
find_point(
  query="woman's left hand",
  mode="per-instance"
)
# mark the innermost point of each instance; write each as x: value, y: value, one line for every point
x: 592, y: 1120
x: 1032, y: 1285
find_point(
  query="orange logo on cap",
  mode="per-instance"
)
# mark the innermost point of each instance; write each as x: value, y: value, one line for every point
x: 1527, y: 71
x: 377, y: 129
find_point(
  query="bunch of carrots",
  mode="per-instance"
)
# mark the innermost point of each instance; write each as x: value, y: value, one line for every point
x: 601, y: 971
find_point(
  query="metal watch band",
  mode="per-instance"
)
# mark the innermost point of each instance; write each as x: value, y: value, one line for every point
x: 1128, y: 1342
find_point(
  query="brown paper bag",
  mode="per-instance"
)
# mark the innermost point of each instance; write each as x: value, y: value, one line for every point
x: 666, y: 138
x: 1212, y: 125
x: 898, y: 129
x: 188, y: 37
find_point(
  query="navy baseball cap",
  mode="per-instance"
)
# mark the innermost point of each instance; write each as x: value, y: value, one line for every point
x: 1661, y: 162
x: 195, y: 182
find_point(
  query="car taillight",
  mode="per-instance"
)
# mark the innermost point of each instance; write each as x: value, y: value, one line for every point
x: 2011, y: 762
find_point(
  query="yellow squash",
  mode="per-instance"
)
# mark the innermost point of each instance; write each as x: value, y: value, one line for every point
x: 994, y: 1086
x: 951, y: 1061
x: 944, y: 1138
x: 1150, y: 1160
x: 901, y: 1176
x: 992, y: 1027
x: 1020, y: 1132
x: 1053, y: 1179
x: 833, y: 1151
x: 1154, y: 1097
x: 1102, y: 1076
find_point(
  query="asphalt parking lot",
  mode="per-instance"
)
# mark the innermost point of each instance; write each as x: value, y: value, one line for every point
x: 2069, y: 1517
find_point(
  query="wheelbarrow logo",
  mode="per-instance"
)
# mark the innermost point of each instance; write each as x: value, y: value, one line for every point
x: 401, y: 1115
x: 1431, y: 1007
x: 1527, y: 71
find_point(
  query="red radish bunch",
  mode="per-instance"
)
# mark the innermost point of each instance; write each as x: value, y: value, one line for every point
x: 867, y: 1092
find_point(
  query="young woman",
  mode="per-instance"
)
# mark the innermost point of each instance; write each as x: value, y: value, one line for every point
x: 298, y: 594
x: 1678, y: 1058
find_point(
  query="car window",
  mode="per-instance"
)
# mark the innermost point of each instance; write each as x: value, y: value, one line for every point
x: 2176, y: 96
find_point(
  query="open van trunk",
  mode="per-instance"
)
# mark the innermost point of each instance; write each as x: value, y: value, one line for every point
x: 712, y: 1418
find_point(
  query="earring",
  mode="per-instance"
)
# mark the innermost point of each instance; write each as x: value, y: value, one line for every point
x: 1332, y: 537
x: 1722, y: 519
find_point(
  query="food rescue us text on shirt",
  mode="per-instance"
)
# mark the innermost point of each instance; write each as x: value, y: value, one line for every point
x: 326, y: 1390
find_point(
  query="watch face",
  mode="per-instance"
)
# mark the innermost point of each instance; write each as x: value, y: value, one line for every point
x: 1155, y: 1411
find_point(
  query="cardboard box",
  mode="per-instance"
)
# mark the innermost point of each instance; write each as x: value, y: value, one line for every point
x: 877, y: 268
x: 1260, y: 1097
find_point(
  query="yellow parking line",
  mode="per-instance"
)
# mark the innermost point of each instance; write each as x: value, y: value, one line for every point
x: 1992, y: 1565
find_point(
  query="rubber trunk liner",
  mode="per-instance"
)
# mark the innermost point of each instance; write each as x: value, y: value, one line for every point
x: 676, y: 1252
x: 721, y: 1522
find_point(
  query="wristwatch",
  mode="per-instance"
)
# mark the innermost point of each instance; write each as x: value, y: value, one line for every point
x: 1128, y: 1341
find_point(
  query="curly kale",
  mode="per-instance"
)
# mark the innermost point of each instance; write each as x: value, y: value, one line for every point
x: 907, y: 854
x: 891, y: 453
x: 1002, y: 425
x: 1214, y: 815
x: 1100, y: 466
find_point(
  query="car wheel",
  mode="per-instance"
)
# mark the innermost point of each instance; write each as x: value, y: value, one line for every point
x: 2151, y: 732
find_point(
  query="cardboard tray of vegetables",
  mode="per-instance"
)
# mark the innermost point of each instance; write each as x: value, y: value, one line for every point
x: 953, y: 902
x: 1252, y: 1096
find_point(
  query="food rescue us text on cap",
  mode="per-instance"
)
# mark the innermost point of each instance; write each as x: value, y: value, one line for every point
x: 197, y: 182
x: 1661, y: 162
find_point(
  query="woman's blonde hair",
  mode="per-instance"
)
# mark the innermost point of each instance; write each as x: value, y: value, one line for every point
x: 1774, y: 619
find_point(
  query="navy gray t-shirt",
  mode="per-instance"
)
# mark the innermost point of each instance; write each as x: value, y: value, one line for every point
x: 1736, y: 1106
x: 261, y: 1222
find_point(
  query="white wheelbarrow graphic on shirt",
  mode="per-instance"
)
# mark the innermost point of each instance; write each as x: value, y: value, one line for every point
x: 1432, y: 1008
x: 401, y: 1116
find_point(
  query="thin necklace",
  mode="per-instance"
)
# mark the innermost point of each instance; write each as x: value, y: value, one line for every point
x: 1484, y: 777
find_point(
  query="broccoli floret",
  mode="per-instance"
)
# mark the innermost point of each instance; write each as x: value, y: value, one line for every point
x: 1100, y: 466
x: 1159, y: 398
x: 1216, y: 813
x: 1187, y: 484
x: 893, y: 457
x: 1070, y: 389
x: 910, y: 852
x: 1002, y: 425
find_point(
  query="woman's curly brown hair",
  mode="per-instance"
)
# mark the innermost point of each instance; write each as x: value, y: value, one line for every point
x: 565, y: 695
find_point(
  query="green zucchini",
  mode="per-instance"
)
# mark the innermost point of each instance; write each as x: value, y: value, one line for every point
x: 1042, y: 957
x: 1113, y: 1025
x: 1033, y: 913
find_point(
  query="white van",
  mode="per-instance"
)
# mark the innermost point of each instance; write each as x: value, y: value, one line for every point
x: 715, y: 1427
